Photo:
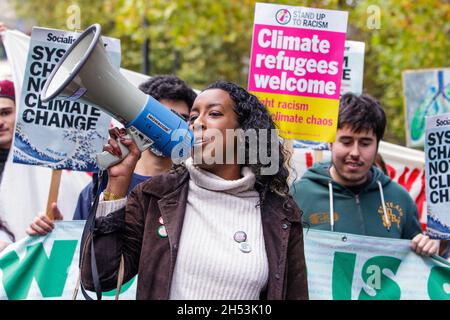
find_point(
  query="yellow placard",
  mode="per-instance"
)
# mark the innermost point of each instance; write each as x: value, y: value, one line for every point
x: 302, y: 118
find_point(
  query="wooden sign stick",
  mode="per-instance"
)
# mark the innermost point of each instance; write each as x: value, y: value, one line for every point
x: 53, y: 192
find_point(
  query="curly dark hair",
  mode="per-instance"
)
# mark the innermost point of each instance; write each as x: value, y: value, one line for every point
x: 252, y: 114
x: 168, y: 87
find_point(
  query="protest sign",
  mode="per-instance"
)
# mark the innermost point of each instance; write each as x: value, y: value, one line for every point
x: 352, y: 81
x: 24, y: 189
x: 353, y: 68
x: 59, y: 134
x: 296, y: 68
x: 437, y: 168
x: 340, y: 266
x: 426, y: 93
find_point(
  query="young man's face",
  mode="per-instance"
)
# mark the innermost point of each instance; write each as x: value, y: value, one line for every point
x: 7, y: 119
x: 352, y: 156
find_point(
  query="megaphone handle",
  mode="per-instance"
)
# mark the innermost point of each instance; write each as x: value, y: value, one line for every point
x: 106, y: 159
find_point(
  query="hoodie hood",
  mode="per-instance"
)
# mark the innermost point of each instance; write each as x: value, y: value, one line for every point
x: 320, y: 173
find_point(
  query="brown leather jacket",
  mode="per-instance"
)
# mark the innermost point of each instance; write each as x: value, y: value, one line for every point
x: 153, y: 258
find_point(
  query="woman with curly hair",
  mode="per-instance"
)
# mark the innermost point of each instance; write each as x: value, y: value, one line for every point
x: 216, y: 227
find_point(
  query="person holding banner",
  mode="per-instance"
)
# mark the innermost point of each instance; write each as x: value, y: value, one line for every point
x: 172, y: 92
x: 7, y: 121
x: 208, y: 229
x: 360, y: 197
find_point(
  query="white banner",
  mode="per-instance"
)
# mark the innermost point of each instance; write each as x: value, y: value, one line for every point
x: 37, y: 268
x: 352, y: 267
x: 340, y: 267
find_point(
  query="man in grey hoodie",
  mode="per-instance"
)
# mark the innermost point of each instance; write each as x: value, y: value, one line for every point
x: 363, y: 200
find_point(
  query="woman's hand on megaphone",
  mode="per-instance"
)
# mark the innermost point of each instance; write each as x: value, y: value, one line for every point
x: 119, y: 175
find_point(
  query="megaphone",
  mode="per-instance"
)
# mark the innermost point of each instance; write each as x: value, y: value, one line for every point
x: 85, y: 74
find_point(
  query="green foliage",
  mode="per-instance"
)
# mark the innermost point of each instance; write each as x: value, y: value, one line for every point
x: 205, y: 40
x: 413, y: 35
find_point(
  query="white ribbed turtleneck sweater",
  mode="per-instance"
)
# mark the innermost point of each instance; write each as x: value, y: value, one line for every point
x: 209, y: 263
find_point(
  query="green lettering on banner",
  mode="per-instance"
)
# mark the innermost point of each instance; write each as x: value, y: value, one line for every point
x: 343, y: 269
x: 385, y: 288
x: 50, y: 272
x: 439, y: 283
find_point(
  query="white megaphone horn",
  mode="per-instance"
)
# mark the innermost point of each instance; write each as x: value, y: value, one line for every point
x: 85, y: 74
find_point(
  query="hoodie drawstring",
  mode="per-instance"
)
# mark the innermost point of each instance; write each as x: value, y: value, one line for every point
x: 383, y: 204
x: 330, y: 187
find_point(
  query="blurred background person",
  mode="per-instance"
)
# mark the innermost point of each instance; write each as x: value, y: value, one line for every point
x: 7, y: 121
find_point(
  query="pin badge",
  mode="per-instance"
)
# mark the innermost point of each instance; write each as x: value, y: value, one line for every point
x: 240, y: 236
x: 162, y: 232
x: 245, y: 247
